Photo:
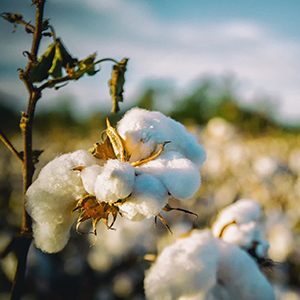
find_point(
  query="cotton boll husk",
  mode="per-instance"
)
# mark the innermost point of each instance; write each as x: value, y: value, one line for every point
x: 50, y: 199
x: 180, y: 176
x: 89, y: 176
x: 240, y: 276
x: 148, y: 198
x: 143, y: 130
x: 115, y: 182
x: 184, y: 269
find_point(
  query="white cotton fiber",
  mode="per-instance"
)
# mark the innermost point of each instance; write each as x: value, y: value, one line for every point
x: 143, y: 130
x: 148, y: 198
x: 52, y: 237
x: 239, y: 275
x: 180, y: 176
x: 240, y: 224
x: 88, y: 176
x: 51, y: 198
x: 184, y: 269
x: 115, y: 182
x: 203, y: 267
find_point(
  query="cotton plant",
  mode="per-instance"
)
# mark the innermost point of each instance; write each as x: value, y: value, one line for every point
x: 148, y: 159
x: 204, y: 265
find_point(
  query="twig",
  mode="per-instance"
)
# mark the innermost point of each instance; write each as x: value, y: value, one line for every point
x: 8, y: 144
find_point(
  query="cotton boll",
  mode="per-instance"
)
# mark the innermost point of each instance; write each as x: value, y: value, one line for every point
x: 148, y: 198
x: 243, y: 211
x: 240, y: 224
x: 240, y: 276
x: 89, y: 176
x: 180, y: 176
x: 184, y: 269
x: 143, y: 130
x: 115, y: 182
x: 51, y: 198
x: 203, y: 267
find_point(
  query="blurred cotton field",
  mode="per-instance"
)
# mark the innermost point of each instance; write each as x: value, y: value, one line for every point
x: 264, y: 167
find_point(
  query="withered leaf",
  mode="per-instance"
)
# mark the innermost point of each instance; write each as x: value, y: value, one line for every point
x: 117, y: 83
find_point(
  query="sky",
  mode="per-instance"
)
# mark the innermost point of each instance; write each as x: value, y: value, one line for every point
x: 171, y: 42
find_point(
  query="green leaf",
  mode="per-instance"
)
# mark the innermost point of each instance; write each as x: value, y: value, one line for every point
x: 40, y: 70
x: 57, y: 63
x: 66, y: 56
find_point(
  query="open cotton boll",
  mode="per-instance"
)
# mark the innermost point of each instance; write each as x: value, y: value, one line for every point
x: 184, y: 269
x: 239, y: 275
x: 143, y: 130
x: 180, y: 176
x: 240, y: 224
x: 51, y: 198
x: 203, y: 267
x: 115, y: 182
x: 148, y: 198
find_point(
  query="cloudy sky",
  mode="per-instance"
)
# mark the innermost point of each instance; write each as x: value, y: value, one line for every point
x: 173, y: 41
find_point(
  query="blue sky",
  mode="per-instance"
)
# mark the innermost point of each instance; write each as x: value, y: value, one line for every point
x: 173, y: 41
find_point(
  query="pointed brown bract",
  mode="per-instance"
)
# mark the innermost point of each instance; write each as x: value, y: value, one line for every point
x: 104, y: 151
x: 92, y: 209
x: 117, y: 142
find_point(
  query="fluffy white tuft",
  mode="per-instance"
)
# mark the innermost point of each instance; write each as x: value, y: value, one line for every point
x: 115, y: 182
x: 50, y: 199
x: 143, y: 130
x: 148, y: 198
x: 180, y: 176
x: 184, y: 269
x: 89, y: 176
x: 203, y: 267
x: 247, y: 230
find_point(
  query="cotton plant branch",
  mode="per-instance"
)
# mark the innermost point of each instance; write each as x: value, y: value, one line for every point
x: 57, y: 60
x: 9, y: 145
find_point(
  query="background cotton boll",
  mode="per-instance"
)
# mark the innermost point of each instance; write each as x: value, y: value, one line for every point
x: 143, y: 130
x: 243, y: 211
x: 184, y: 269
x: 88, y: 176
x: 240, y: 276
x: 180, y: 176
x: 206, y: 268
x: 115, y: 182
x: 148, y: 198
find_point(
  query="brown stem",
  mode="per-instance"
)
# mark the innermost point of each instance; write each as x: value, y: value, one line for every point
x: 8, y: 144
x: 28, y: 165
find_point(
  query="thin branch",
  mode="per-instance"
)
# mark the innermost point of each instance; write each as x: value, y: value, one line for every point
x: 8, y: 144
x: 28, y: 166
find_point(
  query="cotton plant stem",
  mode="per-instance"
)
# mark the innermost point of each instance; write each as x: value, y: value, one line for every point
x: 28, y: 165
